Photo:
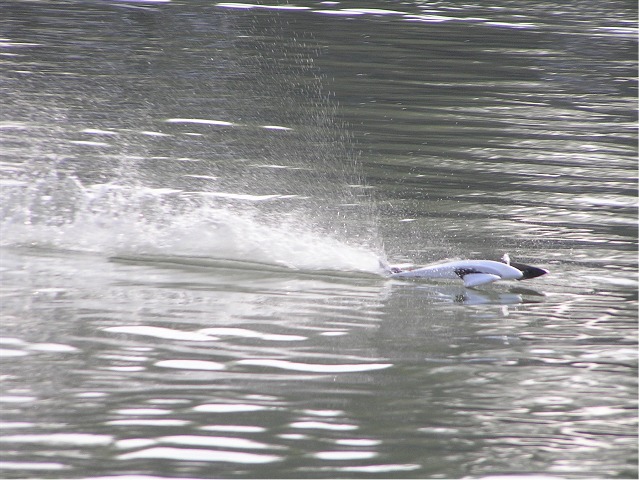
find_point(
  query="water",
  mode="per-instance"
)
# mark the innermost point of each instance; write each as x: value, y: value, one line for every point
x: 196, y: 198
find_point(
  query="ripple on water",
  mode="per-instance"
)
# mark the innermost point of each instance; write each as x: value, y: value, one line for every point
x: 228, y: 408
x: 315, y: 367
x: 199, y: 455
x: 190, y: 364
x: 161, y: 332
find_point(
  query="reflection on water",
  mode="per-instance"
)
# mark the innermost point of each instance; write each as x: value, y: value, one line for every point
x: 195, y: 200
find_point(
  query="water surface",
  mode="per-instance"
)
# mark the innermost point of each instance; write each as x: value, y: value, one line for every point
x: 196, y: 198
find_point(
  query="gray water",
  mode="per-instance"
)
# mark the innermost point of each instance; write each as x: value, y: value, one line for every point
x: 196, y: 198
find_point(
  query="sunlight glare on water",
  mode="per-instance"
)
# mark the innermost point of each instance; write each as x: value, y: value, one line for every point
x: 196, y: 200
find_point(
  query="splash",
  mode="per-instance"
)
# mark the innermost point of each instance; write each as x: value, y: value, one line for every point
x: 245, y: 161
x: 58, y: 211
